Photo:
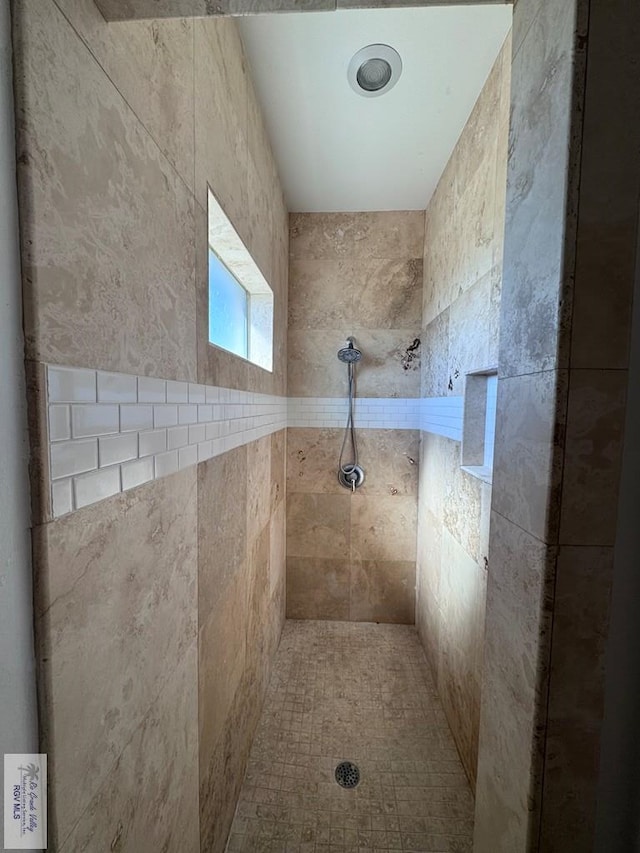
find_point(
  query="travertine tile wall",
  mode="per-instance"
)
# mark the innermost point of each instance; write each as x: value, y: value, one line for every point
x: 462, y: 281
x: 597, y: 349
x: 570, y: 242
x: 115, y: 10
x: 352, y: 557
x: 159, y: 608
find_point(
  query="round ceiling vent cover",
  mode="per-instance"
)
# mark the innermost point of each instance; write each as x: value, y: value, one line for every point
x: 374, y: 70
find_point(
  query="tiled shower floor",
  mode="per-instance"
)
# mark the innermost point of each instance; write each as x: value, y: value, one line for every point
x: 363, y: 693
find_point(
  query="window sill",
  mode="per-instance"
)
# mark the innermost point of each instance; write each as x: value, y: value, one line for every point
x: 481, y: 472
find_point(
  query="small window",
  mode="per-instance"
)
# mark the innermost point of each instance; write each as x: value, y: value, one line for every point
x: 228, y: 309
x: 479, y: 424
x: 240, y: 299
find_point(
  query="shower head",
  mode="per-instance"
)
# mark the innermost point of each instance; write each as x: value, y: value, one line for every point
x: 349, y: 354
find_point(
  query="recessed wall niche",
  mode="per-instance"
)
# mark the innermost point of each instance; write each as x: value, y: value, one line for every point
x: 479, y: 423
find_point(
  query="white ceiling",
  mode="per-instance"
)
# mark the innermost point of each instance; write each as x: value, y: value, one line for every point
x: 339, y: 151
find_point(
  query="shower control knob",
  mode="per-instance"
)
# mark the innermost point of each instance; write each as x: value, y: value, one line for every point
x: 351, y: 477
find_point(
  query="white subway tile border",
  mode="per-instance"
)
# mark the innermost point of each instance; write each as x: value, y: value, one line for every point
x: 136, y: 473
x: 442, y: 416
x: 151, y: 390
x: 71, y: 385
x: 117, y: 388
x: 112, y: 432
x: 95, y: 486
x: 109, y: 432
x: 59, y: 423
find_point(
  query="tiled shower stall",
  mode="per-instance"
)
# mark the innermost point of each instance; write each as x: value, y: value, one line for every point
x: 185, y: 502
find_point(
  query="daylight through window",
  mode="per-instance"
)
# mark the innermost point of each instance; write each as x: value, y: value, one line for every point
x: 240, y: 299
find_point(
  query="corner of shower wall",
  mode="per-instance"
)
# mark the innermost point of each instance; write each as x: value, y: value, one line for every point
x: 352, y: 556
x: 564, y: 357
x: 131, y: 590
x: 461, y: 305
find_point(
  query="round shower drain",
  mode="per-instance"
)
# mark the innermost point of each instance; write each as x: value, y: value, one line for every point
x: 347, y: 774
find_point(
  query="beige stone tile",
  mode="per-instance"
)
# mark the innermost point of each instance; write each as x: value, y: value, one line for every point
x: 151, y: 64
x: 317, y: 588
x: 576, y: 695
x: 383, y: 591
x: 439, y: 257
x: 221, y: 115
x: 222, y: 523
x: 571, y: 772
x: 593, y: 456
x: 278, y: 468
x: 118, y: 611
x: 313, y: 368
x: 259, y: 504
x: 527, y: 464
x: 462, y: 599
x: 536, y: 211
x: 387, y: 369
x: 474, y: 320
x: 390, y: 234
x: 83, y: 155
x: 258, y: 625
x: 485, y: 524
x: 609, y: 190
x: 320, y: 292
x: 439, y: 463
x: 383, y: 528
x: 429, y: 555
x: 476, y: 203
x: 162, y: 754
x: 264, y: 190
x: 502, y: 159
x: 222, y: 653
x: 502, y: 151
x: 584, y: 579
x: 465, y: 217
x: 462, y: 510
x: 123, y: 10
x: 280, y: 288
x: 276, y: 617
x: 429, y: 622
x: 318, y: 526
x: 260, y: 225
x: 278, y: 546
x: 524, y: 14
x: 364, y: 691
x: 517, y: 636
x: 474, y: 155
x: 222, y: 772
x: 312, y: 460
x: 387, y: 293
x: 434, y: 359
x: 390, y: 458
x: 474, y: 419
x: 602, y: 315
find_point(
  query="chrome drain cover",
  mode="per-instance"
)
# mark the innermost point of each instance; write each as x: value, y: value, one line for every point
x: 347, y: 774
